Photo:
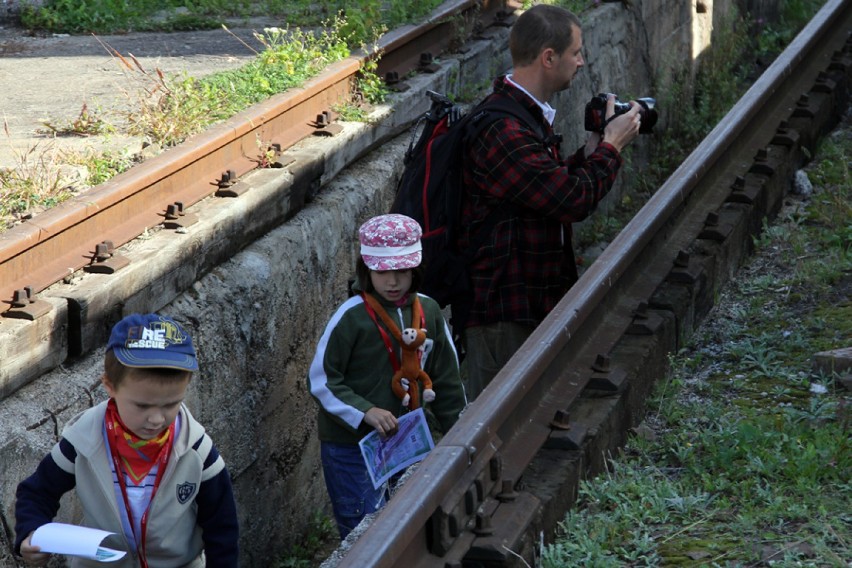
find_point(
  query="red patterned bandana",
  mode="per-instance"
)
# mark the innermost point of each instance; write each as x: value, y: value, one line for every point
x: 137, y: 456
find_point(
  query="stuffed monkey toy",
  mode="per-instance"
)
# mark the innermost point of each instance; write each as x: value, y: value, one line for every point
x: 405, y: 380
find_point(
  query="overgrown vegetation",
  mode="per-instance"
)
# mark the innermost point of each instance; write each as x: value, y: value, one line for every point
x: 37, y: 182
x: 742, y: 48
x: 748, y: 461
x: 117, y: 16
x: 171, y: 109
x: 751, y: 462
x: 168, y: 109
x: 576, y: 6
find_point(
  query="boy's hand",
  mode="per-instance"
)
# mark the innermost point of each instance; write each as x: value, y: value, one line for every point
x: 382, y: 421
x: 32, y: 554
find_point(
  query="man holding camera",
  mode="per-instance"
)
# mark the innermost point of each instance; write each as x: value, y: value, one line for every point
x: 523, y: 196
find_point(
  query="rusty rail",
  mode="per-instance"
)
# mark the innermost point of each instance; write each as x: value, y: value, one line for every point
x: 46, y: 248
x: 462, y: 504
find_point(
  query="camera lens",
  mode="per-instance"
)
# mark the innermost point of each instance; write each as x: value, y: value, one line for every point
x: 648, y: 114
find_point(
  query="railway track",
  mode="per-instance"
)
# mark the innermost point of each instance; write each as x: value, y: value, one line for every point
x: 509, y: 468
x: 472, y: 500
x: 84, y: 233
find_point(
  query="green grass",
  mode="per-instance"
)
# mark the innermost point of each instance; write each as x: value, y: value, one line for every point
x: 576, y: 6
x: 751, y: 465
x: 119, y: 16
x: 172, y: 108
x: 167, y: 109
x: 319, y: 539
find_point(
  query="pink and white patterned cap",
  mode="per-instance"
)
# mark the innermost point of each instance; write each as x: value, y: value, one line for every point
x: 391, y: 242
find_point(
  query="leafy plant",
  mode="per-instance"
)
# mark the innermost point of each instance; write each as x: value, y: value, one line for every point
x: 368, y: 85
x: 87, y: 123
x: 321, y: 532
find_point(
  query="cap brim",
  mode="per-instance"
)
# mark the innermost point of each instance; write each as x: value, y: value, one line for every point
x: 402, y: 262
x: 155, y: 358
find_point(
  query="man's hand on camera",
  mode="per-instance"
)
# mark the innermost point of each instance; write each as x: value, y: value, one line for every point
x: 622, y: 129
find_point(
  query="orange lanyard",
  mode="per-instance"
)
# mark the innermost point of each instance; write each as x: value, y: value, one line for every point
x: 115, y: 439
x: 394, y: 360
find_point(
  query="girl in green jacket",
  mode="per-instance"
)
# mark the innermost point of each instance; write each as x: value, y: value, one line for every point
x: 359, y: 353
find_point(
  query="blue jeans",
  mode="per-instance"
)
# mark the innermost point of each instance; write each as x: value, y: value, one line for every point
x: 349, y: 486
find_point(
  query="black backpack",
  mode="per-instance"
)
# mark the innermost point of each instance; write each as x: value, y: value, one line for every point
x: 431, y: 192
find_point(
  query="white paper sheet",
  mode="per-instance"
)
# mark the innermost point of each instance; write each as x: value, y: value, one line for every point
x: 73, y: 540
x: 409, y: 445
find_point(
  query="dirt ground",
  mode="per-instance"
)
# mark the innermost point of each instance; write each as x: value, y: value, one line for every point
x: 50, y: 78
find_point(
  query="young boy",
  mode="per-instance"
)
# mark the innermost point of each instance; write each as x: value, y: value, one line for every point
x: 171, y: 504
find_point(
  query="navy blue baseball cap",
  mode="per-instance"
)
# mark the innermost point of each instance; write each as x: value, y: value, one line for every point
x: 152, y: 340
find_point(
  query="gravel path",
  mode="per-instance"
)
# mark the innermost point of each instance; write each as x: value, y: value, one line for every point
x: 50, y: 78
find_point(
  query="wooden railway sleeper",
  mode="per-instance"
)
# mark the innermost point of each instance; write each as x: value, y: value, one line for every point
x: 503, y: 18
x: 460, y: 505
x: 717, y: 226
x: 605, y: 377
x: 105, y: 260
x: 324, y: 125
x: 841, y: 61
x: 26, y: 306
x: 176, y: 217
x: 645, y: 321
x: 684, y: 270
x: 751, y: 193
x: 786, y: 136
x: 748, y: 190
x: 769, y: 178
x: 506, y: 537
x: 838, y: 74
x: 763, y: 164
x: 813, y: 116
x: 687, y: 298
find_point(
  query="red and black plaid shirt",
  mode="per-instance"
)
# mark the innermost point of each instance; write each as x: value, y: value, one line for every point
x: 527, y: 265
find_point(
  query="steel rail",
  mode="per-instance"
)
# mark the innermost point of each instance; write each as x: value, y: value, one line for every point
x: 47, y: 248
x: 511, y: 419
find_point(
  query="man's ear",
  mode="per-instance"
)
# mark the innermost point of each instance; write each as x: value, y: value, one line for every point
x: 547, y: 56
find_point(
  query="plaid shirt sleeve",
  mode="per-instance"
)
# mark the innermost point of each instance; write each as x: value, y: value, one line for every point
x: 511, y: 163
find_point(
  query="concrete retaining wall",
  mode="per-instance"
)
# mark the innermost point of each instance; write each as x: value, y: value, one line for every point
x: 256, y: 316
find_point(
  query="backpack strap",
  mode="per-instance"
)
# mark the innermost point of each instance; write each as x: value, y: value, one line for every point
x: 485, y: 114
x: 501, y: 106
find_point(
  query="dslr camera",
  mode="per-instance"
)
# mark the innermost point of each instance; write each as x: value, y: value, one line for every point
x: 596, y: 113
